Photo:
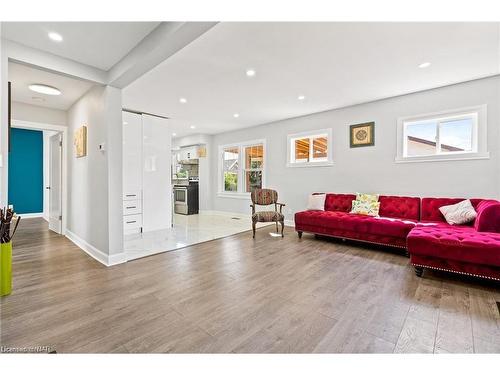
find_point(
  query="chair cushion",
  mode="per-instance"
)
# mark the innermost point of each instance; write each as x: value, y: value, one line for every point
x: 264, y: 197
x: 383, y: 226
x: 460, y: 243
x: 267, y: 216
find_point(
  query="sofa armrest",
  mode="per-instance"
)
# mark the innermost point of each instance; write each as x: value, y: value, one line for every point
x: 488, y: 216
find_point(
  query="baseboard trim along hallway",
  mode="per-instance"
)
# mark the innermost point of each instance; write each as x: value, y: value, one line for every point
x: 101, y: 257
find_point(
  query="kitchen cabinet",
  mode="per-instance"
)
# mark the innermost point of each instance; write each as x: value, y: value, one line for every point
x: 187, y: 153
x: 147, y: 197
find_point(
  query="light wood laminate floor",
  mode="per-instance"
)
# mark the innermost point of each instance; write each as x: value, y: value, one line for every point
x: 242, y: 295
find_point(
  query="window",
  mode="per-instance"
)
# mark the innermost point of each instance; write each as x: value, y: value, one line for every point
x: 310, y: 149
x: 230, y: 159
x: 459, y: 134
x: 242, y: 168
x: 254, y: 163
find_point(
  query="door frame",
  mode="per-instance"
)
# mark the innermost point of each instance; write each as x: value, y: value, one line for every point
x: 64, y: 168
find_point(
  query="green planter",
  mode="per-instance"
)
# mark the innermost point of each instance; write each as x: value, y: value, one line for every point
x: 5, y: 269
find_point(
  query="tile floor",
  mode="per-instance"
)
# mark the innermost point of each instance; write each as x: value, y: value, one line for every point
x: 187, y: 230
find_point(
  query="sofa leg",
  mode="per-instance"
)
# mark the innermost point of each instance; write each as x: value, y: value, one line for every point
x: 419, y: 271
x: 407, y: 254
x: 299, y: 233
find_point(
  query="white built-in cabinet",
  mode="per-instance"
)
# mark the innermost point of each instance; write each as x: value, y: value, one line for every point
x: 147, y: 189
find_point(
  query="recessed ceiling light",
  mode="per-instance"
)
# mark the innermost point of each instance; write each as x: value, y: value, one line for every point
x: 424, y: 65
x: 44, y: 89
x: 55, y: 37
x: 193, y: 127
x: 174, y: 134
x: 183, y: 100
x: 236, y: 115
x: 250, y: 73
x: 125, y: 123
x: 301, y: 97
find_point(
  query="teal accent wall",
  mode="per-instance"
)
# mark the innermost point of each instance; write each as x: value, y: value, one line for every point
x: 26, y: 171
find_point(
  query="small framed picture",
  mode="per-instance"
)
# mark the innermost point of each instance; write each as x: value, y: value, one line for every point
x: 80, y: 141
x: 362, y: 134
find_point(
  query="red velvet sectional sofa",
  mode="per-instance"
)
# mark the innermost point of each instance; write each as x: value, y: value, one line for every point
x: 416, y: 226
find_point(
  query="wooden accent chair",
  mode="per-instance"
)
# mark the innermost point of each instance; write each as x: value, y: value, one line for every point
x: 266, y: 197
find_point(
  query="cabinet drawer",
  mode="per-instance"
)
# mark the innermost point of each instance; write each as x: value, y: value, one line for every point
x: 131, y: 195
x: 131, y: 222
x: 132, y: 207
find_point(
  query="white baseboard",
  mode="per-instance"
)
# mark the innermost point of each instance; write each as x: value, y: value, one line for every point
x: 116, y: 259
x: 101, y: 257
x: 31, y: 216
x: 225, y: 213
x: 288, y: 223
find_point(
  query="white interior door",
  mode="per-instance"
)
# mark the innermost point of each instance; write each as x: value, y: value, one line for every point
x: 55, y: 183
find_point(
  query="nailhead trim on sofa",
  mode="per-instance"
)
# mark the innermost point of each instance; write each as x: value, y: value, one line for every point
x: 462, y: 273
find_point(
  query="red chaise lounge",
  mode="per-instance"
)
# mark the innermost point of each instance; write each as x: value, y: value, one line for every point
x: 466, y: 249
x: 418, y: 227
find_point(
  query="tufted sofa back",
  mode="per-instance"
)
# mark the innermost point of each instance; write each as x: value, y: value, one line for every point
x: 339, y: 202
x: 430, y: 207
x: 400, y: 207
x: 390, y: 206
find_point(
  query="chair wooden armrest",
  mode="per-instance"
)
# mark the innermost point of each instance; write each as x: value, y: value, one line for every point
x: 281, y: 206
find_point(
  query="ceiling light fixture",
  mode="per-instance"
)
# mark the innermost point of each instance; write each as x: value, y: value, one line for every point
x: 183, y: 100
x: 55, y: 37
x: 236, y: 115
x: 424, y: 65
x: 193, y: 127
x: 174, y: 134
x: 301, y: 97
x: 250, y: 73
x: 125, y: 123
x: 44, y: 89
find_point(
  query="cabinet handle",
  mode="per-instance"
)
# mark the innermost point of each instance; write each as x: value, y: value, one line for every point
x: 131, y: 222
x: 131, y: 207
x: 130, y: 195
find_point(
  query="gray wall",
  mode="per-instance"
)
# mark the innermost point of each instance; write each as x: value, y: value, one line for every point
x: 373, y: 169
x: 94, y: 181
x: 33, y: 113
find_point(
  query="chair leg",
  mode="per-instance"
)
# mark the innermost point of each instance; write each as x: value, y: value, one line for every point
x: 277, y: 226
x: 419, y: 271
x: 253, y: 228
x: 282, y: 228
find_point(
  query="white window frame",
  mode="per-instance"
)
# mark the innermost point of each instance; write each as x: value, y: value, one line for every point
x: 240, y: 193
x: 291, y: 138
x: 479, y: 135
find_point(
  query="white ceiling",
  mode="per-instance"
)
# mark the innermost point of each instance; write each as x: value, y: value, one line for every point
x: 22, y: 76
x: 98, y: 44
x: 332, y: 64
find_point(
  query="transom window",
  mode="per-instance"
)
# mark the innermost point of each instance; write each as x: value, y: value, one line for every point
x: 447, y: 135
x: 242, y: 167
x: 310, y: 149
